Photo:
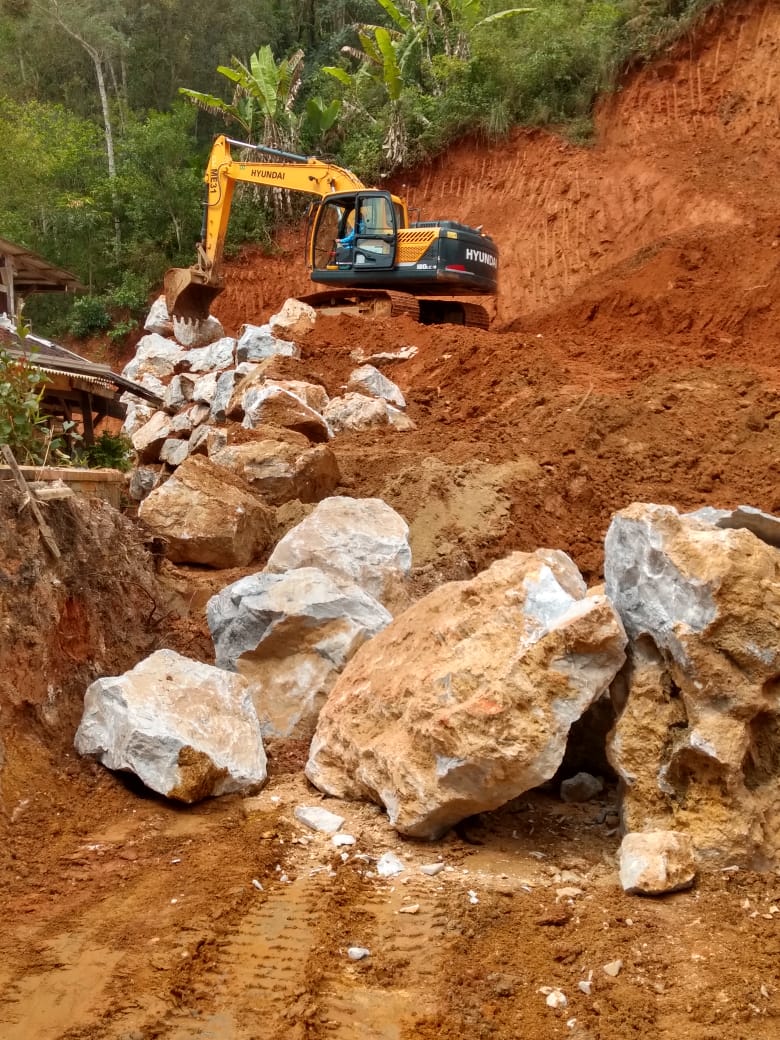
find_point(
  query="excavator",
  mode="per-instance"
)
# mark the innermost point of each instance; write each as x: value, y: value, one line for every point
x: 360, y: 245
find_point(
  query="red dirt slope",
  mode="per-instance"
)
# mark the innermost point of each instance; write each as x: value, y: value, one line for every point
x: 633, y: 353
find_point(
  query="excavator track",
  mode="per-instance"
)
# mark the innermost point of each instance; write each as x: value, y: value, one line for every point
x: 367, y: 303
x: 384, y: 303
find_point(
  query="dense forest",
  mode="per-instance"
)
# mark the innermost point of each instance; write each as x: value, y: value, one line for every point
x: 107, y: 108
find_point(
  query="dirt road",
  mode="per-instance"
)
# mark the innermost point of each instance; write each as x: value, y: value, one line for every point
x: 633, y: 357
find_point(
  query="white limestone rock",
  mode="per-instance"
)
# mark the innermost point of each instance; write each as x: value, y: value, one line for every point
x: 370, y: 381
x: 466, y: 700
x: 223, y: 392
x: 272, y: 406
x: 312, y: 394
x: 214, y: 357
x: 174, y: 451
x: 138, y: 412
x: 355, y: 411
x: 158, y: 319
x: 655, y: 862
x: 362, y: 541
x: 290, y: 635
x: 186, y: 729
x: 205, y: 388
x: 154, y: 355
x: 318, y: 819
x: 692, y: 744
x: 198, y: 442
x: 293, y: 320
x: 281, y: 471
x: 179, y: 392
x: 258, y: 341
x: 149, y: 439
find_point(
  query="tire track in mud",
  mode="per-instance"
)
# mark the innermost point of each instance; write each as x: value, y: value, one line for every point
x: 377, y: 997
x: 284, y: 971
x: 258, y: 974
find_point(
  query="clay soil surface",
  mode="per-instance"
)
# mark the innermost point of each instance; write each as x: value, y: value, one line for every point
x: 632, y: 357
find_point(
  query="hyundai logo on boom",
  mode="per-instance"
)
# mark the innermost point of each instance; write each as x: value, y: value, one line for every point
x: 482, y: 257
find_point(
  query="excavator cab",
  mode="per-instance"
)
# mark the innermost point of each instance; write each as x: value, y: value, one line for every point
x: 352, y: 232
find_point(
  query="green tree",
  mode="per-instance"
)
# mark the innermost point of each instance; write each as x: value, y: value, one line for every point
x: 53, y: 195
x: 95, y: 26
x: 159, y: 186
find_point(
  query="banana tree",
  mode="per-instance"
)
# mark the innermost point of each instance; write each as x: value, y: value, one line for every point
x: 378, y: 55
x: 264, y: 93
x: 467, y: 16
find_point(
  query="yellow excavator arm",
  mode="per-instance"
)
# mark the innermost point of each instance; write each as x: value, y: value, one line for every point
x: 189, y: 291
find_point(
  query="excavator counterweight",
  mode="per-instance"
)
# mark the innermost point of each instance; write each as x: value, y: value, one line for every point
x: 360, y: 244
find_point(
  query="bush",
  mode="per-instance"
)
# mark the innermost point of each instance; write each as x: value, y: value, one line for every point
x: 88, y: 315
x: 110, y: 450
x: 22, y: 425
x: 130, y: 295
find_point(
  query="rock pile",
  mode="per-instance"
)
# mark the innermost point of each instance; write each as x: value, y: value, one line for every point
x: 467, y: 698
x: 262, y: 435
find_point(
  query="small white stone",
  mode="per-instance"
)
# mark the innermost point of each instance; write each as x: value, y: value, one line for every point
x: 389, y: 865
x: 613, y: 968
x: 257, y: 884
x: 357, y: 953
x: 412, y: 909
x: 556, y: 999
x: 473, y: 897
x: 318, y: 819
x: 342, y: 839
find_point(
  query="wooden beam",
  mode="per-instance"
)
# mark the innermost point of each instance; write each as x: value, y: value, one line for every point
x: 86, y: 419
x: 46, y: 531
x: 8, y: 283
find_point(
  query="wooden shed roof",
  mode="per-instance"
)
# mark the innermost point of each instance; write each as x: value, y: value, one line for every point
x: 31, y: 273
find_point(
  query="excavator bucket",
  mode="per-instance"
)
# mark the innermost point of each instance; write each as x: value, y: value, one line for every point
x: 188, y: 294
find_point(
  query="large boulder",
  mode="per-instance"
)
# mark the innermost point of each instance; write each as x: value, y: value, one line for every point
x: 281, y: 472
x: 158, y: 319
x: 186, y: 729
x: 212, y: 357
x: 290, y: 635
x: 361, y: 541
x: 466, y: 700
x: 208, y: 516
x: 268, y: 405
x: 697, y: 744
x: 149, y: 438
x: 154, y: 355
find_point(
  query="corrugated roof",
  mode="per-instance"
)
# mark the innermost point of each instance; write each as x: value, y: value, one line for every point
x: 54, y: 358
